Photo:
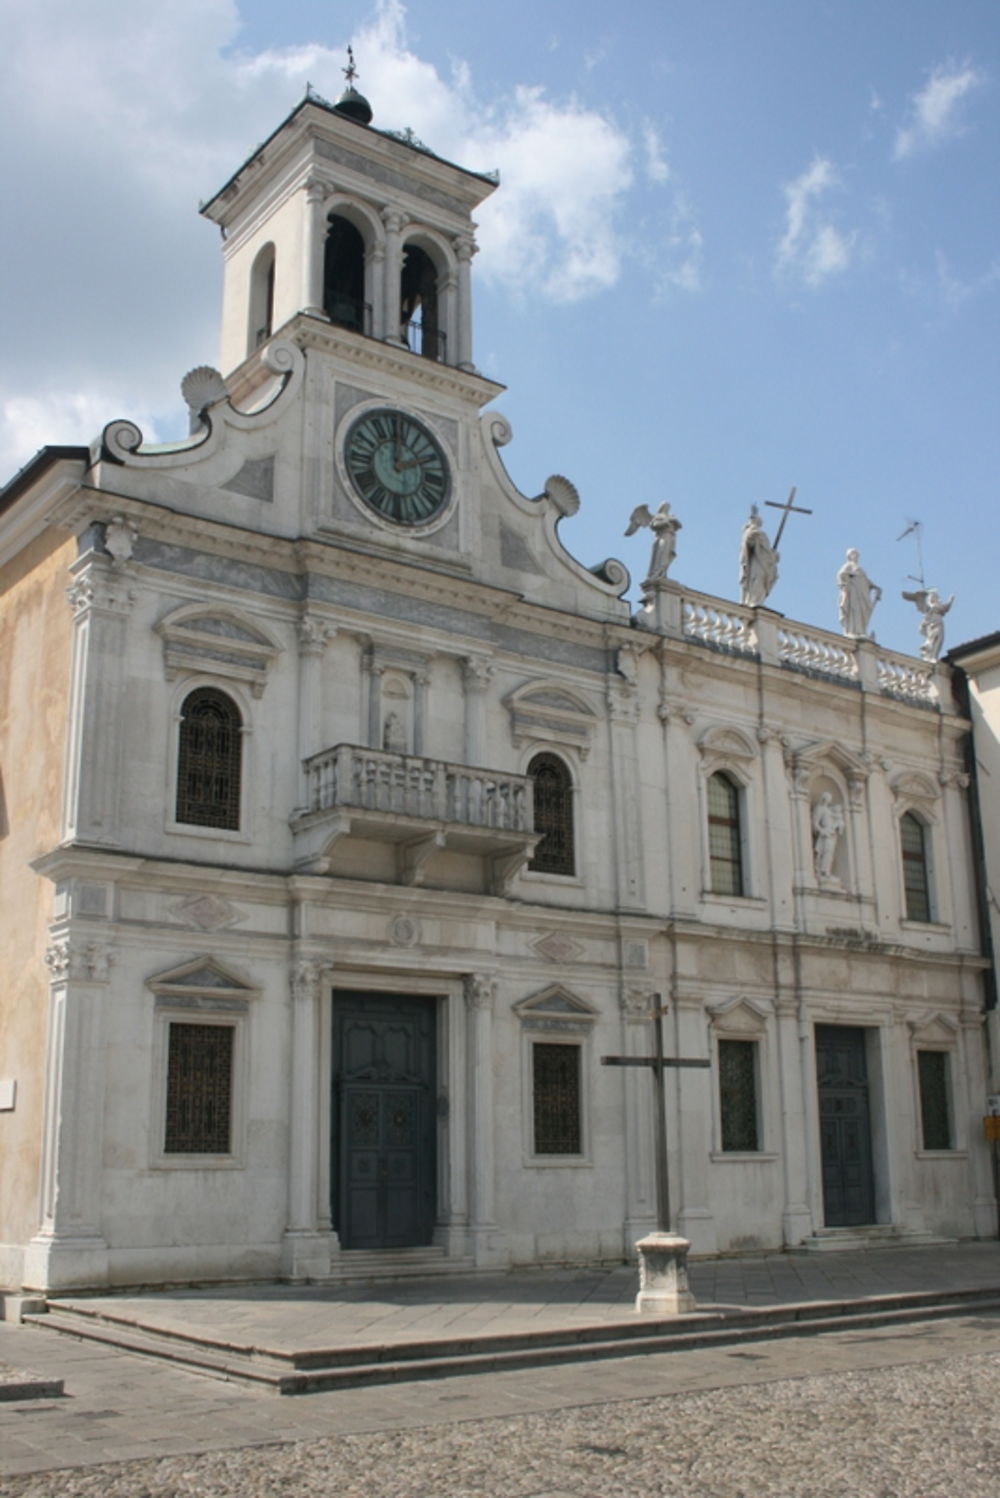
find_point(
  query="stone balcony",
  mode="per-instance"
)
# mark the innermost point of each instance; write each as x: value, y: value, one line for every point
x: 419, y: 806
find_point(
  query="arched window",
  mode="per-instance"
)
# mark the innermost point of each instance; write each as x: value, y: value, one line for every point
x: 262, y: 298
x: 418, y: 306
x: 344, y: 275
x: 725, y: 840
x: 916, y: 880
x: 553, y: 784
x: 209, y: 760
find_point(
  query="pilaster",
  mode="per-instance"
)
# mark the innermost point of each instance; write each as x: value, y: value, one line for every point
x: 101, y: 601
x: 623, y: 719
x: 69, y: 1251
x: 306, y: 1250
x: 314, y: 247
x: 480, y: 997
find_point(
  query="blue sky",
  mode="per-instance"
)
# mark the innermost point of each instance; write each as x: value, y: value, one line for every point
x: 739, y: 245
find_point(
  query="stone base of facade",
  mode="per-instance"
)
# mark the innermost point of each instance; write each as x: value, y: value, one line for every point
x: 307, y: 1255
x: 54, y: 1262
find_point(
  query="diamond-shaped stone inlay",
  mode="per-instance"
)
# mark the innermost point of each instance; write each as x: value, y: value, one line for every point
x: 558, y: 948
x: 207, y: 912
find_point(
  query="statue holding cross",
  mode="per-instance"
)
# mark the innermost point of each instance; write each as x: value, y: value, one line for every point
x: 663, y: 1283
x: 759, y: 557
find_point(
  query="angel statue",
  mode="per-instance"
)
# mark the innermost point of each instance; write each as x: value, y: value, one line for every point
x: 664, y: 527
x: 928, y: 601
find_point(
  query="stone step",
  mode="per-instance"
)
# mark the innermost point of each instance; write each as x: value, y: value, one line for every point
x: 357, y: 1265
x: 311, y: 1370
x: 879, y: 1235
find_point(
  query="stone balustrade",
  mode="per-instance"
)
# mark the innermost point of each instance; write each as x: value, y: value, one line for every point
x: 815, y: 650
x: 906, y: 678
x: 351, y: 777
x: 723, y: 627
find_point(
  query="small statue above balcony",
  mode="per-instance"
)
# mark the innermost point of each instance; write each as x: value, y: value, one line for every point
x: 394, y: 735
x: 664, y: 526
x: 858, y: 597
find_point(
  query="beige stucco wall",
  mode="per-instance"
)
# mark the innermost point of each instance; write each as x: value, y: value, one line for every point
x: 35, y: 643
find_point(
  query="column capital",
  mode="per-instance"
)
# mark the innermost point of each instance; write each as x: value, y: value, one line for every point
x: 307, y: 978
x: 98, y: 588
x: 395, y: 219
x: 465, y: 247
x: 70, y: 960
x: 480, y: 991
x: 314, y: 634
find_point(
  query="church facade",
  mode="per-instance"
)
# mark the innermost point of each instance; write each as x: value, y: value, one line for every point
x: 348, y: 822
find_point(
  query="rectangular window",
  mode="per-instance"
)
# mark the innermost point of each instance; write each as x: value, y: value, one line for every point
x: 738, y: 1094
x: 935, y: 1112
x: 199, y: 1089
x: 916, y: 883
x: 724, y: 851
x: 556, y: 1098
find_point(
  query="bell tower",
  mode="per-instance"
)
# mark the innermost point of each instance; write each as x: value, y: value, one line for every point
x: 356, y: 227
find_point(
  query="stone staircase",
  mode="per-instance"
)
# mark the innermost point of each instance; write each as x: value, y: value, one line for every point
x: 879, y: 1235
x: 312, y: 1370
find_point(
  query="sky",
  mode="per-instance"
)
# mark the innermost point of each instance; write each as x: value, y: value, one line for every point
x: 739, y: 245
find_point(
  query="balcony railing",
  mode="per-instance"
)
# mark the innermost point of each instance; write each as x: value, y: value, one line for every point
x: 420, y: 805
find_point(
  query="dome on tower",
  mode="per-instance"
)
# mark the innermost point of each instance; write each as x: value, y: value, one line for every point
x: 354, y: 105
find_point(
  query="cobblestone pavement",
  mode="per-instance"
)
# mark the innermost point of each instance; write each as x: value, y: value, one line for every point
x: 902, y: 1412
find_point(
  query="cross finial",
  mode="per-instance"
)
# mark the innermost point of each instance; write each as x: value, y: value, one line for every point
x: 350, y: 72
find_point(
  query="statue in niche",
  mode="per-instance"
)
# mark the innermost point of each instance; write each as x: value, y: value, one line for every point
x: 827, y: 825
x: 394, y: 735
x: 758, y: 562
x: 928, y: 601
x: 664, y: 526
x: 858, y: 597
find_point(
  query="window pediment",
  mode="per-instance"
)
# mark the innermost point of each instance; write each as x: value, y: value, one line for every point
x: 933, y: 1029
x: 740, y: 1015
x: 548, y: 712
x: 202, y: 976
x: 556, y: 1008
x: 726, y: 745
x: 912, y: 787
x: 218, y: 642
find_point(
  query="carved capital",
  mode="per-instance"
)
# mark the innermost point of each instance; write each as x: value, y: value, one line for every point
x: 956, y: 778
x: 674, y: 708
x: 314, y: 633
x: 637, y: 1003
x: 623, y: 704
x: 476, y: 673
x: 394, y: 219
x: 78, y: 962
x: 99, y: 592
x: 317, y: 191
x: 464, y: 246
x: 480, y: 991
x: 307, y: 979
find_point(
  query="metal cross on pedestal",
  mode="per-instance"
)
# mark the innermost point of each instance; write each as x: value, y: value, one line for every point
x: 658, y: 1064
x: 787, y: 508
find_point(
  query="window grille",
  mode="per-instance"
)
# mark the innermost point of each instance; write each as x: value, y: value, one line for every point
x: 556, y: 1088
x: 738, y: 1094
x: 199, y: 1089
x: 553, y: 786
x: 724, y: 850
x: 916, y: 884
x: 209, y: 760
x: 935, y: 1114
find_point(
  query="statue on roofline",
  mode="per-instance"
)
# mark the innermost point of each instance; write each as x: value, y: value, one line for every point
x: 858, y: 597
x: 928, y: 601
x: 758, y: 562
x: 664, y: 526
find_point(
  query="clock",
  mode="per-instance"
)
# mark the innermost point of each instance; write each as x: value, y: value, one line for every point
x: 397, y: 467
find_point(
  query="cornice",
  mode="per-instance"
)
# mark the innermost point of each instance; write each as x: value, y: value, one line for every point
x: 312, y: 332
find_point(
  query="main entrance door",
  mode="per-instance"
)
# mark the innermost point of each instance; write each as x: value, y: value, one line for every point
x: 844, y: 1126
x: 384, y: 1138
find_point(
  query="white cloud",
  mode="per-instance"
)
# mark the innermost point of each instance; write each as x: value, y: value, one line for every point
x: 812, y: 248
x: 957, y: 292
x: 932, y: 118
x: 657, y: 166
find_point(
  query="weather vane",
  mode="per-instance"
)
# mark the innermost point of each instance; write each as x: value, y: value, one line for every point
x: 350, y: 72
x: 915, y: 528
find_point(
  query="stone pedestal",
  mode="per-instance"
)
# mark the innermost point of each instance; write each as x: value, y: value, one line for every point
x: 663, y: 1278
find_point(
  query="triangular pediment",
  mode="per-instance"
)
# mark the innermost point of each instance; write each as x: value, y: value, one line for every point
x: 740, y: 1015
x: 556, y: 1002
x: 829, y: 752
x: 933, y: 1029
x: 201, y: 975
x: 724, y: 742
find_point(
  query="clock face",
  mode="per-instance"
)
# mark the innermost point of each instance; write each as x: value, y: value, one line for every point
x: 397, y: 467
